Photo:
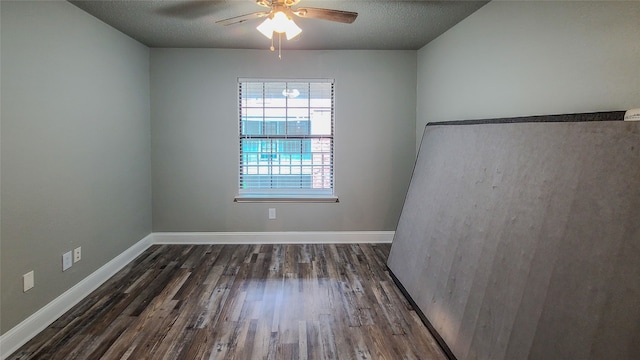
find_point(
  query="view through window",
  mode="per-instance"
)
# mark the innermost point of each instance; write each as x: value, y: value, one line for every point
x: 286, y: 138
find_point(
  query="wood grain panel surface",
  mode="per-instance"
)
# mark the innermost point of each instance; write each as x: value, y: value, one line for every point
x: 243, y: 302
x: 521, y: 240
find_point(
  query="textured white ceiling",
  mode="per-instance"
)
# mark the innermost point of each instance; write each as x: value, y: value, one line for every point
x: 393, y: 25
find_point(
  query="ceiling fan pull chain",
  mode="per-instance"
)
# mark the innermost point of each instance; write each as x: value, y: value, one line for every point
x: 279, y: 45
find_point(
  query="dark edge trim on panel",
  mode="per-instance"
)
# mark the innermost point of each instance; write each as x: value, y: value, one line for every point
x: 443, y: 345
x: 595, y: 116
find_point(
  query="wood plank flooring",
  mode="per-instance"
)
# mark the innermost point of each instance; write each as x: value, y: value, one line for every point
x: 317, y: 301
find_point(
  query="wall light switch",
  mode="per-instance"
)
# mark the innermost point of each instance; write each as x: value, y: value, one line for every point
x: 28, y: 281
x: 67, y: 261
x: 272, y: 213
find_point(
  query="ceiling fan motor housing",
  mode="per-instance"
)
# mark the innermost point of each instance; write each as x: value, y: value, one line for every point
x: 284, y: 6
x: 272, y: 3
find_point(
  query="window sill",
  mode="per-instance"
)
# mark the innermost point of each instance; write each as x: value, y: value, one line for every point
x: 286, y: 198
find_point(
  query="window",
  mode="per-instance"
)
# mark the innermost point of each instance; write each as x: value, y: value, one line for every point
x: 286, y: 140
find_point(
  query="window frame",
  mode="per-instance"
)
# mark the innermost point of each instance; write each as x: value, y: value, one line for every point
x: 285, y: 195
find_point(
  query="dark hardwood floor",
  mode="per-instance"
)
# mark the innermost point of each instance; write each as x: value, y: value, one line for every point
x: 243, y: 302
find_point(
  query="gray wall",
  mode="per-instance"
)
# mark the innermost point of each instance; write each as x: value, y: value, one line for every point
x: 513, y: 58
x: 195, y: 151
x: 75, y: 149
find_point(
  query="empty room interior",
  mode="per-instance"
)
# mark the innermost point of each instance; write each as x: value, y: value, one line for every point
x: 372, y: 180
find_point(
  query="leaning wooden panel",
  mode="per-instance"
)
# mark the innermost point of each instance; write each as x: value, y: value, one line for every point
x: 522, y: 240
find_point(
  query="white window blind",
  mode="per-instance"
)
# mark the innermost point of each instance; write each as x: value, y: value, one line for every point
x: 286, y: 138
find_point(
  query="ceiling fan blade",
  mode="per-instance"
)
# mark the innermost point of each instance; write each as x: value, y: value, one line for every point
x: 242, y: 18
x: 191, y: 9
x: 346, y: 17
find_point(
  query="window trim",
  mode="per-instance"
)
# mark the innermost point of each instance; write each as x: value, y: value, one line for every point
x: 274, y: 196
x: 286, y: 198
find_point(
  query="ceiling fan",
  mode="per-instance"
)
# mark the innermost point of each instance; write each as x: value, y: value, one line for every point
x: 279, y: 17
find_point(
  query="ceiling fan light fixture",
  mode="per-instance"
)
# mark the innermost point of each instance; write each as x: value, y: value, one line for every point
x: 292, y: 30
x: 291, y: 93
x: 266, y: 28
x: 279, y: 23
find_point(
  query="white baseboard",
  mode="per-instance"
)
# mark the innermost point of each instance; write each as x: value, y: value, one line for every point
x: 287, y: 237
x: 13, y: 339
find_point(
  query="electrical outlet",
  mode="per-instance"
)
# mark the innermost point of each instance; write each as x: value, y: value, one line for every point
x: 272, y: 213
x: 27, y: 281
x: 67, y: 261
x: 77, y: 254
